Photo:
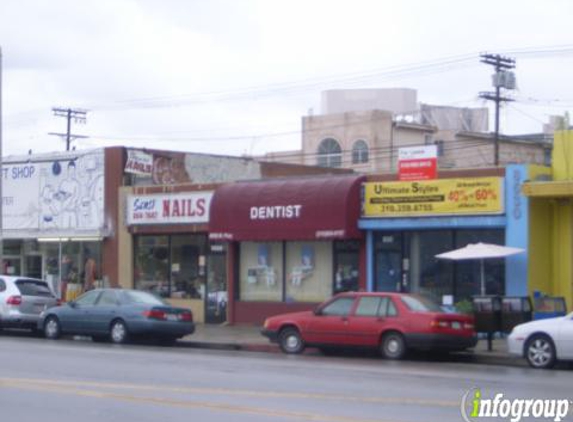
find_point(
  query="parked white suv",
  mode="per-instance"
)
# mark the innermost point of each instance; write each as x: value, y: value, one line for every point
x: 22, y: 299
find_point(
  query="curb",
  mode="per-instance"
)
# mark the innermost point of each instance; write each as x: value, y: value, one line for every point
x: 462, y: 357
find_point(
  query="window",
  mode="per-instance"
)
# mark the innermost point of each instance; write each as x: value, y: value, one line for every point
x: 2, y: 286
x: 421, y: 304
x: 346, y: 262
x: 88, y: 298
x: 390, y: 310
x: 329, y: 153
x: 368, y: 306
x: 107, y: 298
x: 309, y: 270
x: 339, y: 307
x: 33, y: 288
x: 360, y: 152
x: 143, y: 298
x: 261, y: 274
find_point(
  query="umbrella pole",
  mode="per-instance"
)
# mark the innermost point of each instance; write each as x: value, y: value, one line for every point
x: 482, y: 271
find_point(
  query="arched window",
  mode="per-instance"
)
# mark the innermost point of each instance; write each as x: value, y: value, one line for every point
x: 359, y: 152
x: 329, y: 153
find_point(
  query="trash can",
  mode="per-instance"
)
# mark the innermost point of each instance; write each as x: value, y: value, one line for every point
x: 515, y: 310
x: 549, y: 307
x: 487, y: 313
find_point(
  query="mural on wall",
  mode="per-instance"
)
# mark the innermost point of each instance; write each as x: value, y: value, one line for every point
x: 171, y: 168
x: 59, y: 194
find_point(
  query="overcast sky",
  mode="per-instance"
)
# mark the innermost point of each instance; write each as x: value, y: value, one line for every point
x: 236, y: 76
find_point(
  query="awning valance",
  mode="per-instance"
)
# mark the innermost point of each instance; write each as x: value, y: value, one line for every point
x: 287, y: 209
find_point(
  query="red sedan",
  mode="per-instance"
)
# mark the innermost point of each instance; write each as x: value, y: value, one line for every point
x: 392, y: 322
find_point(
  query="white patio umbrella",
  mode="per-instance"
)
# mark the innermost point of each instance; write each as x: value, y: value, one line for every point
x: 481, y: 251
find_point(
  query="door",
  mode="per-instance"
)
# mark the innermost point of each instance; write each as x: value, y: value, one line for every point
x: 371, y: 317
x: 565, y: 338
x: 33, y: 266
x: 104, y: 311
x: 388, y: 271
x: 329, y: 325
x: 77, y: 319
x: 216, y: 299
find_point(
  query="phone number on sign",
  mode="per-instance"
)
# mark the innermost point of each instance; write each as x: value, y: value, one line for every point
x: 407, y: 208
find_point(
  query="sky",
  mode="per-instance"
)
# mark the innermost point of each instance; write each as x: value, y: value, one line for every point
x: 236, y: 77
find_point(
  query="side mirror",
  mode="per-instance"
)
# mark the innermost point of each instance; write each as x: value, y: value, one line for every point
x: 72, y: 304
x: 317, y: 311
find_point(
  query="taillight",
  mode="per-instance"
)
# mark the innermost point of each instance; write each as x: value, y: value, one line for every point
x: 468, y: 326
x: 14, y: 300
x: 436, y: 323
x: 155, y: 314
x: 186, y: 316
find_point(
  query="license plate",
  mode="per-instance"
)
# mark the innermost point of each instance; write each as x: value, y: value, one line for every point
x: 172, y: 318
x: 456, y: 325
x: 39, y: 308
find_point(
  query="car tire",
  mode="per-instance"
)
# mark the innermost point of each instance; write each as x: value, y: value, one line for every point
x: 290, y: 341
x: 393, y: 346
x: 118, y: 332
x: 540, y: 352
x: 52, y: 328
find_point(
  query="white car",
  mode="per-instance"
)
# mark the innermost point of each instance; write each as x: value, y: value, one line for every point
x: 543, y: 342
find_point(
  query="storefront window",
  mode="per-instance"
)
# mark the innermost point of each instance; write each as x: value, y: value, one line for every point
x: 261, y: 271
x: 346, y: 262
x: 429, y: 275
x: 188, y: 266
x: 152, y: 264
x: 468, y: 273
x: 309, y: 271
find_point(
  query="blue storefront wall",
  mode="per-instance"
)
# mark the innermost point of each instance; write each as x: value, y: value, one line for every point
x: 514, y: 222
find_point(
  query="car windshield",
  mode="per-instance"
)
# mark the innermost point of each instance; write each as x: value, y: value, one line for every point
x: 33, y: 288
x: 421, y: 304
x: 142, y: 298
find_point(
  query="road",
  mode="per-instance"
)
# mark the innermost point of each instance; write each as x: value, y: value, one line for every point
x: 80, y: 381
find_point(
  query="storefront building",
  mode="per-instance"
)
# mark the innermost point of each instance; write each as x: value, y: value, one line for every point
x: 164, y: 244
x: 291, y: 243
x: 170, y: 249
x: 408, y: 223
x: 549, y: 192
x: 58, y: 215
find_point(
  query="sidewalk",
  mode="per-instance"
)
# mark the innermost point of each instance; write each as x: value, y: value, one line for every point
x: 248, y: 338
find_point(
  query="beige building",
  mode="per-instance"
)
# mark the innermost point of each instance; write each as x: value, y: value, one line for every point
x: 367, y: 140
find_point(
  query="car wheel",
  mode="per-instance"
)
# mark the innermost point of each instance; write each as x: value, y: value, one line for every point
x: 290, y: 341
x: 393, y: 346
x: 540, y: 352
x: 118, y: 333
x: 52, y: 328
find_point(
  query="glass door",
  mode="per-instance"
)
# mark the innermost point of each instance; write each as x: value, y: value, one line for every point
x: 217, y: 297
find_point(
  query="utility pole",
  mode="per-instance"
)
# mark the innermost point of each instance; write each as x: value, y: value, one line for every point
x: 79, y: 116
x: 501, y: 79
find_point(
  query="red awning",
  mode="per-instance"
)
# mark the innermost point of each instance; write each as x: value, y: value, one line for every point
x: 287, y: 209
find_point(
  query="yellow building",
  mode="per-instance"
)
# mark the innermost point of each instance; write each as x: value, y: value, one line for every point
x: 551, y: 222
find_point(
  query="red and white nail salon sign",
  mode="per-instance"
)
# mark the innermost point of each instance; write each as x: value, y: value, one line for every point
x: 188, y: 208
x: 418, y: 163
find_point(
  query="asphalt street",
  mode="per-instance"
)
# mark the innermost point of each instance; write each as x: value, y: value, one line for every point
x: 67, y: 380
